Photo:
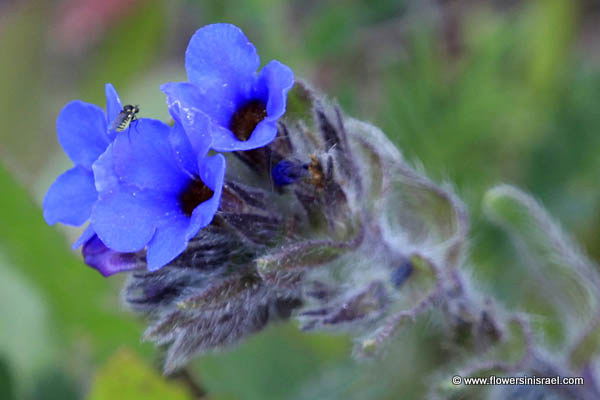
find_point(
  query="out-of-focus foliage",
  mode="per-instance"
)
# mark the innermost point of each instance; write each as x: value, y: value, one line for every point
x: 124, y: 376
x: 478, y: 92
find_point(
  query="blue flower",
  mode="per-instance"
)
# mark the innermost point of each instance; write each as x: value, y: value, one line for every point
x: 82, y: 130
x: 240, y: 105
x: 155, y: 191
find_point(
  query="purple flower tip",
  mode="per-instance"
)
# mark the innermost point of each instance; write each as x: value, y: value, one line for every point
x: 106, y: 261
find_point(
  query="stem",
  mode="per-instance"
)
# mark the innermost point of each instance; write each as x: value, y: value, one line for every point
x: 186, y: 378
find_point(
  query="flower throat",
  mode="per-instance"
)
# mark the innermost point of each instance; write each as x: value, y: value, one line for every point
x: 195, y: 193
x: 246, y: 118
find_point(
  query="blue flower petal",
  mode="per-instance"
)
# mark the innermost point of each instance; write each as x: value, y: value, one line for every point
x: 184, y: 153
x: 143, y: 157
x: 277, y: 79
x: 70, y: 198
x: 212, y: 173
x: 168, y: 242
x: 220, y: 54
x: 105, y: 177
x: 81, y: 129
x: 113, y: 103
x: 87, y: 234
x: 189, y: 103
x: 271, y: 87
x: 125, y: 220
x: 180, y: 100
x: 204, y: 213
x: 264, y: 133
x: 106, y: 261
x: 171, y: 239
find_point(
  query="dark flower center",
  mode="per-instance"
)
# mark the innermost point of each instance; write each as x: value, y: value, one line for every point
x: 196, y: 192
x: 246, y: 118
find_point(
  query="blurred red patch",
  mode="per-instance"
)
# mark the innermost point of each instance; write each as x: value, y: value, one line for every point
x: 80, y: 23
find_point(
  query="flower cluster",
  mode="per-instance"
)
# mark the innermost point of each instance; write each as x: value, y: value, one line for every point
x: 150, y: 189
x: 315, y: 216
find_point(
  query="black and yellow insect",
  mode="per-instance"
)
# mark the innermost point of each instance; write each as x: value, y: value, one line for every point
x: 125, y: 117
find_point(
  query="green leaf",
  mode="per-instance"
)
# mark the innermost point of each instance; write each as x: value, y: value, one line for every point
x: 562, y: 282
x: 27, y: 342
x: 53, y: 383
x: 587, y: 347
x: 125, y: 376
x: 84, y: 305
x: 272, y: 364
x: 7, y: 389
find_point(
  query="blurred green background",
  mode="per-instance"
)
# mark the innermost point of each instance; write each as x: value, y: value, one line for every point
x: 478, y: 92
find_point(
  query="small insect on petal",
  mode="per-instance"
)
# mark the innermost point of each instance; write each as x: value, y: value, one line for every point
x: 125, y: 117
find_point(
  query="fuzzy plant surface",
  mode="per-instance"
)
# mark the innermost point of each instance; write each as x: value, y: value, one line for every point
x: 262, y: 201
